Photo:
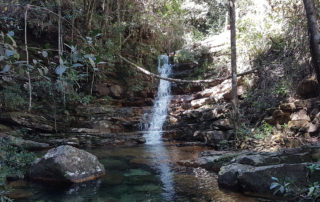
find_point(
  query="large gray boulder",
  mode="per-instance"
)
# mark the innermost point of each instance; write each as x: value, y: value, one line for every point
x: 67, y: 164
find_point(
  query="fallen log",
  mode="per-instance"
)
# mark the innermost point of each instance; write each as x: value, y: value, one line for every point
x: 209, y: 81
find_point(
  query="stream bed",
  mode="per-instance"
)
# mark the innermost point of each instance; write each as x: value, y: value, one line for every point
x: 133, y: 175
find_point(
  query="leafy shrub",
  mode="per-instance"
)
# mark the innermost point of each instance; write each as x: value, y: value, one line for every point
x: 13, y: 98
x: 263, y: 131
x: 280, y: 185
x: 14, y: 161
x: 314, y: 190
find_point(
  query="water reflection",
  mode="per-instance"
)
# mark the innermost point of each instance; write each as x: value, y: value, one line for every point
x: 154, y: 144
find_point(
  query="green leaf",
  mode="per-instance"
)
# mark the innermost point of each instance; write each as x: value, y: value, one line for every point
x: 311, y: 190
x: 275, y: 179
x: 40, y: 72
x: 77, y: 65
x: 61, y: 61
x: 11, y: 33
x: 2, y: 58
x: 281, y: 189
x: 44, y: 54
x: 61, y: 69
x: 14, y: 44
x: 273, y: 185
x: 45, y: 70
x: 6, y: 69
x: 92, y: 62
x: 9, y: 53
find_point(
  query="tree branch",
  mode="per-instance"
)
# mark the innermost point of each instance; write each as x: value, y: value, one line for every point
x: 210, y: 81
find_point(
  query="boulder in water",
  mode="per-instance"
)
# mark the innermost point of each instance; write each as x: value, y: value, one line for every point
x: 67, y: 164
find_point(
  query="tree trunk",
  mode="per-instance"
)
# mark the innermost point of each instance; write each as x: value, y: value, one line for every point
x: 105, y: 26
x: 234, y: 63
x: 314, y: 35
x: 27, y: 56
x: 212, y: 82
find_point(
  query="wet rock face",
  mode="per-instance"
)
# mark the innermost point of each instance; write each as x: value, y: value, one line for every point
x: 67, y: 164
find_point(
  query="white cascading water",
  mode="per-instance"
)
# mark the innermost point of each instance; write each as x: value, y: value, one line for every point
x: 160, y: 107
x: 153, y: 135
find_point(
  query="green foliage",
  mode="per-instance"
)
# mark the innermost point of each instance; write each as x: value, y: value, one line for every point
x: 3, y: 198
x: 256, y: 101
x: 263, y: 131
x: 244, y: 131
x: 314, y: 190
x: 138, y: 87
x: 313, y: 168
x: 205, y: 16
x: 13, y: 98
x: 81, y: 98
x: 280, y: 185
x: 314, y: 187
x: 282, y: 89
x: 14, y: 161
x: 184, y: 56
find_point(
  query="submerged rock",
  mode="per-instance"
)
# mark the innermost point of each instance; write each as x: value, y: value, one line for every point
x: 67, y: 164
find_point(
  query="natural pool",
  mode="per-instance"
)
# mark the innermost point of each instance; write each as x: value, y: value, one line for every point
x: 133, y: 174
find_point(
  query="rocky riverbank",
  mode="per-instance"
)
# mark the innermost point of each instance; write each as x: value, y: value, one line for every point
x: 293, y: 171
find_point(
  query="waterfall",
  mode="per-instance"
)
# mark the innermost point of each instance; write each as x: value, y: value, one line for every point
x: 162, y: 101
x: 153, y: 138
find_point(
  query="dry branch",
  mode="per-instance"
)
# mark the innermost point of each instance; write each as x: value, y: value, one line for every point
x: 209, y: 81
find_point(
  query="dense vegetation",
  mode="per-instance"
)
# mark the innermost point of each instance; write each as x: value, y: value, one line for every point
x: 54, y: 53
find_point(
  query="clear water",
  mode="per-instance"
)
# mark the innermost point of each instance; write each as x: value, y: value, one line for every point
x: 133, y: 175
x: 154, y: 144
x: 141, y: 173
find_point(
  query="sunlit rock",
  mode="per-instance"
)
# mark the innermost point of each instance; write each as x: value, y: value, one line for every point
x: 67, y: 164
